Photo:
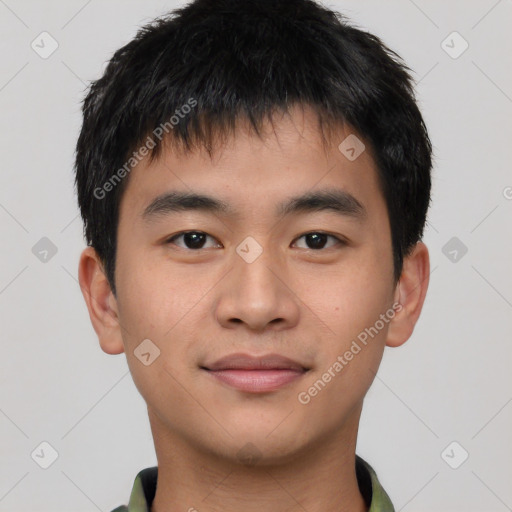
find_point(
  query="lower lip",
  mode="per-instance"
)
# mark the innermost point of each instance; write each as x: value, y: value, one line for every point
x: 256, y: 381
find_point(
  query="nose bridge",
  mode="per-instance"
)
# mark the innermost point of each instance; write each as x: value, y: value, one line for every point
x: 254, y: 292
x: 255, y: 268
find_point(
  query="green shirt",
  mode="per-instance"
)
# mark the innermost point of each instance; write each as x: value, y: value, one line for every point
x: 144, y: 488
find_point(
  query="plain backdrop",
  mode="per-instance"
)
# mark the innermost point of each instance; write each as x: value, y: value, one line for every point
x: 444, y: 395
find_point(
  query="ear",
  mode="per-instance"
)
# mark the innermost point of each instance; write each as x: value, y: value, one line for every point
x: 410, y: 293
x: 100, y: 300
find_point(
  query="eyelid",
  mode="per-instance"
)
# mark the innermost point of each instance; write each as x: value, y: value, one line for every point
x: 340, y: 240
x: 170, y: 240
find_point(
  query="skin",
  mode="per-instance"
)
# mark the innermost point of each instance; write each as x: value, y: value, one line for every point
x: 197, y: 305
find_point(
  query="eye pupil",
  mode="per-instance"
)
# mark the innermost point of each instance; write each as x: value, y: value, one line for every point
x: 194, y: 239
x: 318, y: 240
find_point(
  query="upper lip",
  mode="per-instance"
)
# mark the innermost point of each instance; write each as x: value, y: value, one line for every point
x: 241, y: 361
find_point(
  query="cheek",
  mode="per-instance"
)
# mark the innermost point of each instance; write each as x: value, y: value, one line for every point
x: 152, y: 295
x: 159, y: 302
x: 154, y: 306
x: 354, y: 294
x: 350, y: 300
x: 351, y: 349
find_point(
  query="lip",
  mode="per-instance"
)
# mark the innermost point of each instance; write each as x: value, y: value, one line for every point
x: 240, y: 361
x: 256, y: 374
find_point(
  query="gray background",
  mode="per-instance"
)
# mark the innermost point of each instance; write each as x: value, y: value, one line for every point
x: 450, y: 382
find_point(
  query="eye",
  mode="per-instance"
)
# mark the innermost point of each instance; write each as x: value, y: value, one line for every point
x: 191, y: 239
x: 195, y: 240
x: 317, y: 240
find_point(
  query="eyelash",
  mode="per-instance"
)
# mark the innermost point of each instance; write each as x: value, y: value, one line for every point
x: 340, y: 241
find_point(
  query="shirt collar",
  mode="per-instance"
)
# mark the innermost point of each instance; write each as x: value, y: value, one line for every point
x: 144, y: 488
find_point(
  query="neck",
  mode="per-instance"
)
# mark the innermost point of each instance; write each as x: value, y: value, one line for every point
x: 321, y: 477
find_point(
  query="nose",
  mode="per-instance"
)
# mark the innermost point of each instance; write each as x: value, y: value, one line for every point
x: 257, y: 294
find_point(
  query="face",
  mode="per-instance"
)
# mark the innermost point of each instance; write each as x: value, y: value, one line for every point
x: 261, y: 275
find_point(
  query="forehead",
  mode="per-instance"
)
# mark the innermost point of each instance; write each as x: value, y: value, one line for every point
x: 249, y: 172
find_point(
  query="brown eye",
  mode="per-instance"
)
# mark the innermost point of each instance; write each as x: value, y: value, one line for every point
x: 318, y: 240
x: 191, y: 239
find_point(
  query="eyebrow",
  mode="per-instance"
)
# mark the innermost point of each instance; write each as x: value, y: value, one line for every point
x: 336, y: 200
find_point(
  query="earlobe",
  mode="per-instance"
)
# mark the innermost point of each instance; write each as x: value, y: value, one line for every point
x: 100, y: 302
x: 410, y: 294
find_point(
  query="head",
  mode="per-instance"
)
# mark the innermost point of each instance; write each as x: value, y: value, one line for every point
x: 253, y: 104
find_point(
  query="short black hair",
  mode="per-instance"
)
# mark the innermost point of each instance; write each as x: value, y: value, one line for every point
x: 195, y: 72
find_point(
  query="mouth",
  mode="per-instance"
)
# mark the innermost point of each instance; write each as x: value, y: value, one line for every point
x: 256, y: 374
